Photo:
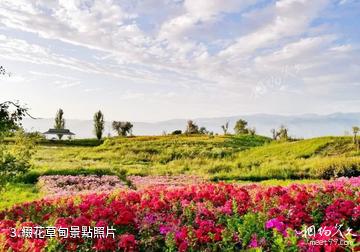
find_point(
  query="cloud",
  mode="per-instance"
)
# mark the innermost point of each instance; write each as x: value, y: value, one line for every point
x: 251, y: 48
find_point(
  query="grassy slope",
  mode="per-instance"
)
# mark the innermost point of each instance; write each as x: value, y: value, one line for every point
x: 220, y: 157
x: 148, y: 155
x: 323, y: 157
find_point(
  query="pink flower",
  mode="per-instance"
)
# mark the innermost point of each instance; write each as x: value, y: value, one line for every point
x: 275, y: 223
x: 254, y: 242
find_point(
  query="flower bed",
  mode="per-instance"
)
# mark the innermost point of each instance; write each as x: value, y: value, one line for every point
x: 205, y: 217
x: 170, y: 181
x: 58, y: 185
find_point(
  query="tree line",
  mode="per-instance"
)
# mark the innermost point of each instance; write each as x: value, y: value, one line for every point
x: 122, y: 128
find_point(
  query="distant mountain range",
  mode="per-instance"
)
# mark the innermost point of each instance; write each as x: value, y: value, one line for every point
x: 302, y: 126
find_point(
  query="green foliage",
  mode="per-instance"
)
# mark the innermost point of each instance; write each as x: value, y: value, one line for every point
x: 355, y: 137
x: 36, y: 135
x: 225, y: 128
x: 245, y: 227
x: 252, y: 131
x: 40, y: 140
x: 170, y: 242
x: 281, y: 134
x: 333, y: 167
x: 191, y: 128
x: 15, y: 158
x: 73, y: 142
x: 122, y: 128
x: 15, y: 193
x: 252, y: 224
x: 203, y: 131
x: 11, y: 114
x: 176, y: 132
x: 241, y: 127
x: 283, y: 243
x: 59, y: 122
x: 99, y: 124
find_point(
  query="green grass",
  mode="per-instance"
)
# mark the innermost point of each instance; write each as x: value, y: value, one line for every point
x: 278, y: 182
x: 316, y: 158
x: 17, y: 193
x: 148, y: 155
x: 244, y: 157
x: 66, y: 142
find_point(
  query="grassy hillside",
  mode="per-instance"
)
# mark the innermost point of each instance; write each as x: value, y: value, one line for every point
x: 148, y: 155
x: 220, y: 157
x: 323, y: 157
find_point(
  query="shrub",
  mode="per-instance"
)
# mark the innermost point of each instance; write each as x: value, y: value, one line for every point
x: 15, y: 158
x: 338, y: 167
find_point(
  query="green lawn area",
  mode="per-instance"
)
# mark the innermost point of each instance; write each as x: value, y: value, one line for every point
x: 18, y: 193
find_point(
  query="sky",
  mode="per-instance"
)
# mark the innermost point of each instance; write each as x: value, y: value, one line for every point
x: 152, y: 60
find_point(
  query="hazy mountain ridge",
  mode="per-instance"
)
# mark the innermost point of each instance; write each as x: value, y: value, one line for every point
x: 306, y: 125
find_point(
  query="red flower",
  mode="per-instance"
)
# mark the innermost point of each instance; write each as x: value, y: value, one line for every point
x: 127, y: 242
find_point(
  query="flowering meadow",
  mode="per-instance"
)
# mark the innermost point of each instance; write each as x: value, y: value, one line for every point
x: 57, y: 185
x: 203, y: 217
x: 141, y: 182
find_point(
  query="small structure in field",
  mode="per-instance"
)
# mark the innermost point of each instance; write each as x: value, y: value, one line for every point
x: 59, y: 132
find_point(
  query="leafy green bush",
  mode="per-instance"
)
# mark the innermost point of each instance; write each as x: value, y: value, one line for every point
x: 338, y: 167
x: 15, y: 158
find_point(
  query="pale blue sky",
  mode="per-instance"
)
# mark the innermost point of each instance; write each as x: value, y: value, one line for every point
x: 150, y: 60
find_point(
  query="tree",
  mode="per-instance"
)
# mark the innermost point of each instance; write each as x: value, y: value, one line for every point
x: 252, y: 131
x: 176, y: 132
x: 191, y: 128
x: 59, y: 122
x: 15, y: 158
x: 99, y: 124
x: 11, y: 114
x: 225, y: 128
x: 122, y: 128
x: 3, y: 71
x: 203, y: 131
x: 240, y: 127
x: 274, y: 134
x: 283, y: 133
x: 355, y: 133
x: 280, y: 134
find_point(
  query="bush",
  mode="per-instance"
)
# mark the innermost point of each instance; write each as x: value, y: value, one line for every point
x: 176, y: 132
x: 90, y: 142
x: 15, y: 158
x: 339, y: 167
